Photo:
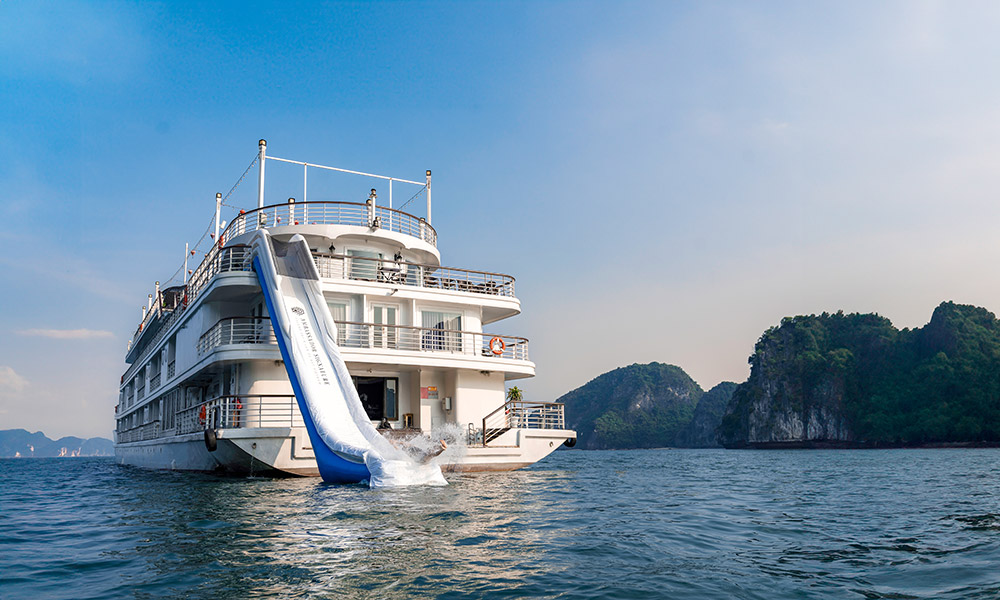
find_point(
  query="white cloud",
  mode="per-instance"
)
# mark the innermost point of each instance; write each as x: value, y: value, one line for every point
x: 68, y: 334
x: 10, y: 381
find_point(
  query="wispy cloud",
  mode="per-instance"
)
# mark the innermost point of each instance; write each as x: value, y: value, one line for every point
x: 67, y: 334
x: 10, y: 381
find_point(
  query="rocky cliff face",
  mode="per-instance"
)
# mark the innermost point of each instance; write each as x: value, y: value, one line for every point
x: 795, y: 393
x: 855, y: 380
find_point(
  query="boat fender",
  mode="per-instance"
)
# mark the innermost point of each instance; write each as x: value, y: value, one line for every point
x: 497, y: 345
x: 211, y: 441
x: 570, y: 442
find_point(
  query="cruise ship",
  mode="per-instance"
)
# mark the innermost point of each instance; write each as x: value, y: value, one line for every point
x: 209, y: 386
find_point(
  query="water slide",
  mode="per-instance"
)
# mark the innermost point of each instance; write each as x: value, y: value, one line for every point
x: 348, y: 448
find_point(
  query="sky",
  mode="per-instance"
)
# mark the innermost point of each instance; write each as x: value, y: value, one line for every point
x: 666, y: 180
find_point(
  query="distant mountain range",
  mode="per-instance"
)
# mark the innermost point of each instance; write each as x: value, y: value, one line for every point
x: 19, y: 443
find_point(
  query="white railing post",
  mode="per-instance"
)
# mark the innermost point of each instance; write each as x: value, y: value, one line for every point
x: 218, y: 210
x: 428, y: 196
x: 187, y: 251
x: 262, y: 144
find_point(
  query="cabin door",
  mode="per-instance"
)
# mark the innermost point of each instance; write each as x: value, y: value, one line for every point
x: 384, y: 332
x: 379, y: 397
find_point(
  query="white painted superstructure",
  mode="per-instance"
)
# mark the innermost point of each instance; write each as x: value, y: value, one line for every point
x: 206, y: 387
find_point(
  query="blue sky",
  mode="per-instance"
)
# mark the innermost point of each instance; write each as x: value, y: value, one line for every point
x: 665, y: 180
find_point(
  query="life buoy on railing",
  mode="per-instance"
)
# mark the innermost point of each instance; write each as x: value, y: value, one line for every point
x: 201, y: 415
x: 497, y: 345
x: 221, y: 242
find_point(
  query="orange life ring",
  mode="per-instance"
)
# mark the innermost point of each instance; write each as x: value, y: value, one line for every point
x: 201, y: 415
x: 497, y: 345
x: 221, y: 242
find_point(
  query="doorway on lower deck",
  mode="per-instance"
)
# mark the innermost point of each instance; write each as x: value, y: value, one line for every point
x: 379, y: 396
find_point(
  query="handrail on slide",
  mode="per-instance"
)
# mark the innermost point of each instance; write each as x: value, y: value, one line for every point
x: 348, y: 448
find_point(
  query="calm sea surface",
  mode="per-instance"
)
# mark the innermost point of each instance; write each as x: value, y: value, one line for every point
x: 630, y: 524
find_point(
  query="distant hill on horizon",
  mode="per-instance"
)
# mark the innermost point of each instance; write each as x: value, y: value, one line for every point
x: 20, y: 443
x: 650, y: 405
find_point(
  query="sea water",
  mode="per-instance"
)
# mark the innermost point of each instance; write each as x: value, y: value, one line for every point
x: 618, y: 524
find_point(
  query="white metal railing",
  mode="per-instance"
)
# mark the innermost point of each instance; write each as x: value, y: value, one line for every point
x: 237, y: 330
x: 233, y: 258
x: 236, y: 411
x: 154, y: 383
x: 228, y: 259
x: 398, y: 272
x: 331, y: 213
x: 426, y: 339
x: 170, y: 369
x: 140, y: 393
x: 147, y: 431
x: 518, y: 414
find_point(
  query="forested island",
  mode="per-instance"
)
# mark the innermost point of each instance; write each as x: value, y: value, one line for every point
x: 646, y: 406
x: 829, y: 380
x: 854, y: 380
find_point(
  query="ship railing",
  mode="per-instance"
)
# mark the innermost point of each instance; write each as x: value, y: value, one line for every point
x: 236, y: 330
x: 408, y: 338
x: 399, y: 272
x: 171, y: 369
x: 232, y: 258
x: 331, y: 213
x: 240, y: 411
x: 228, y: 259
x: 519, y: 414
x: 146, y: 431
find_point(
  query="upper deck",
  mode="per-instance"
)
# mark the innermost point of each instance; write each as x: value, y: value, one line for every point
x: 317, y: 218
x: 351, y: 242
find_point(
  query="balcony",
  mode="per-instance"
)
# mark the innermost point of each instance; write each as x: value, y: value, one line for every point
x: 149, y: 431
x: 423, y: 339
x: 398, y: 272
x: 240, y: 411
x: 236, y: 330
x: 230, y: 259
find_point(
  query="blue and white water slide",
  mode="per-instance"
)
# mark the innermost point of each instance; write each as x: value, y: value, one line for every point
x: 348, y: 448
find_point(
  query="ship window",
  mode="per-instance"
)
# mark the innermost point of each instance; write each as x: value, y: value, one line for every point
x: 338, y: 310
x: 366, y: 270
x: 441, y: 331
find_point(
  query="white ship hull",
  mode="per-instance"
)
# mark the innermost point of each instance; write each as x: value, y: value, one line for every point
x: 287, y: 452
